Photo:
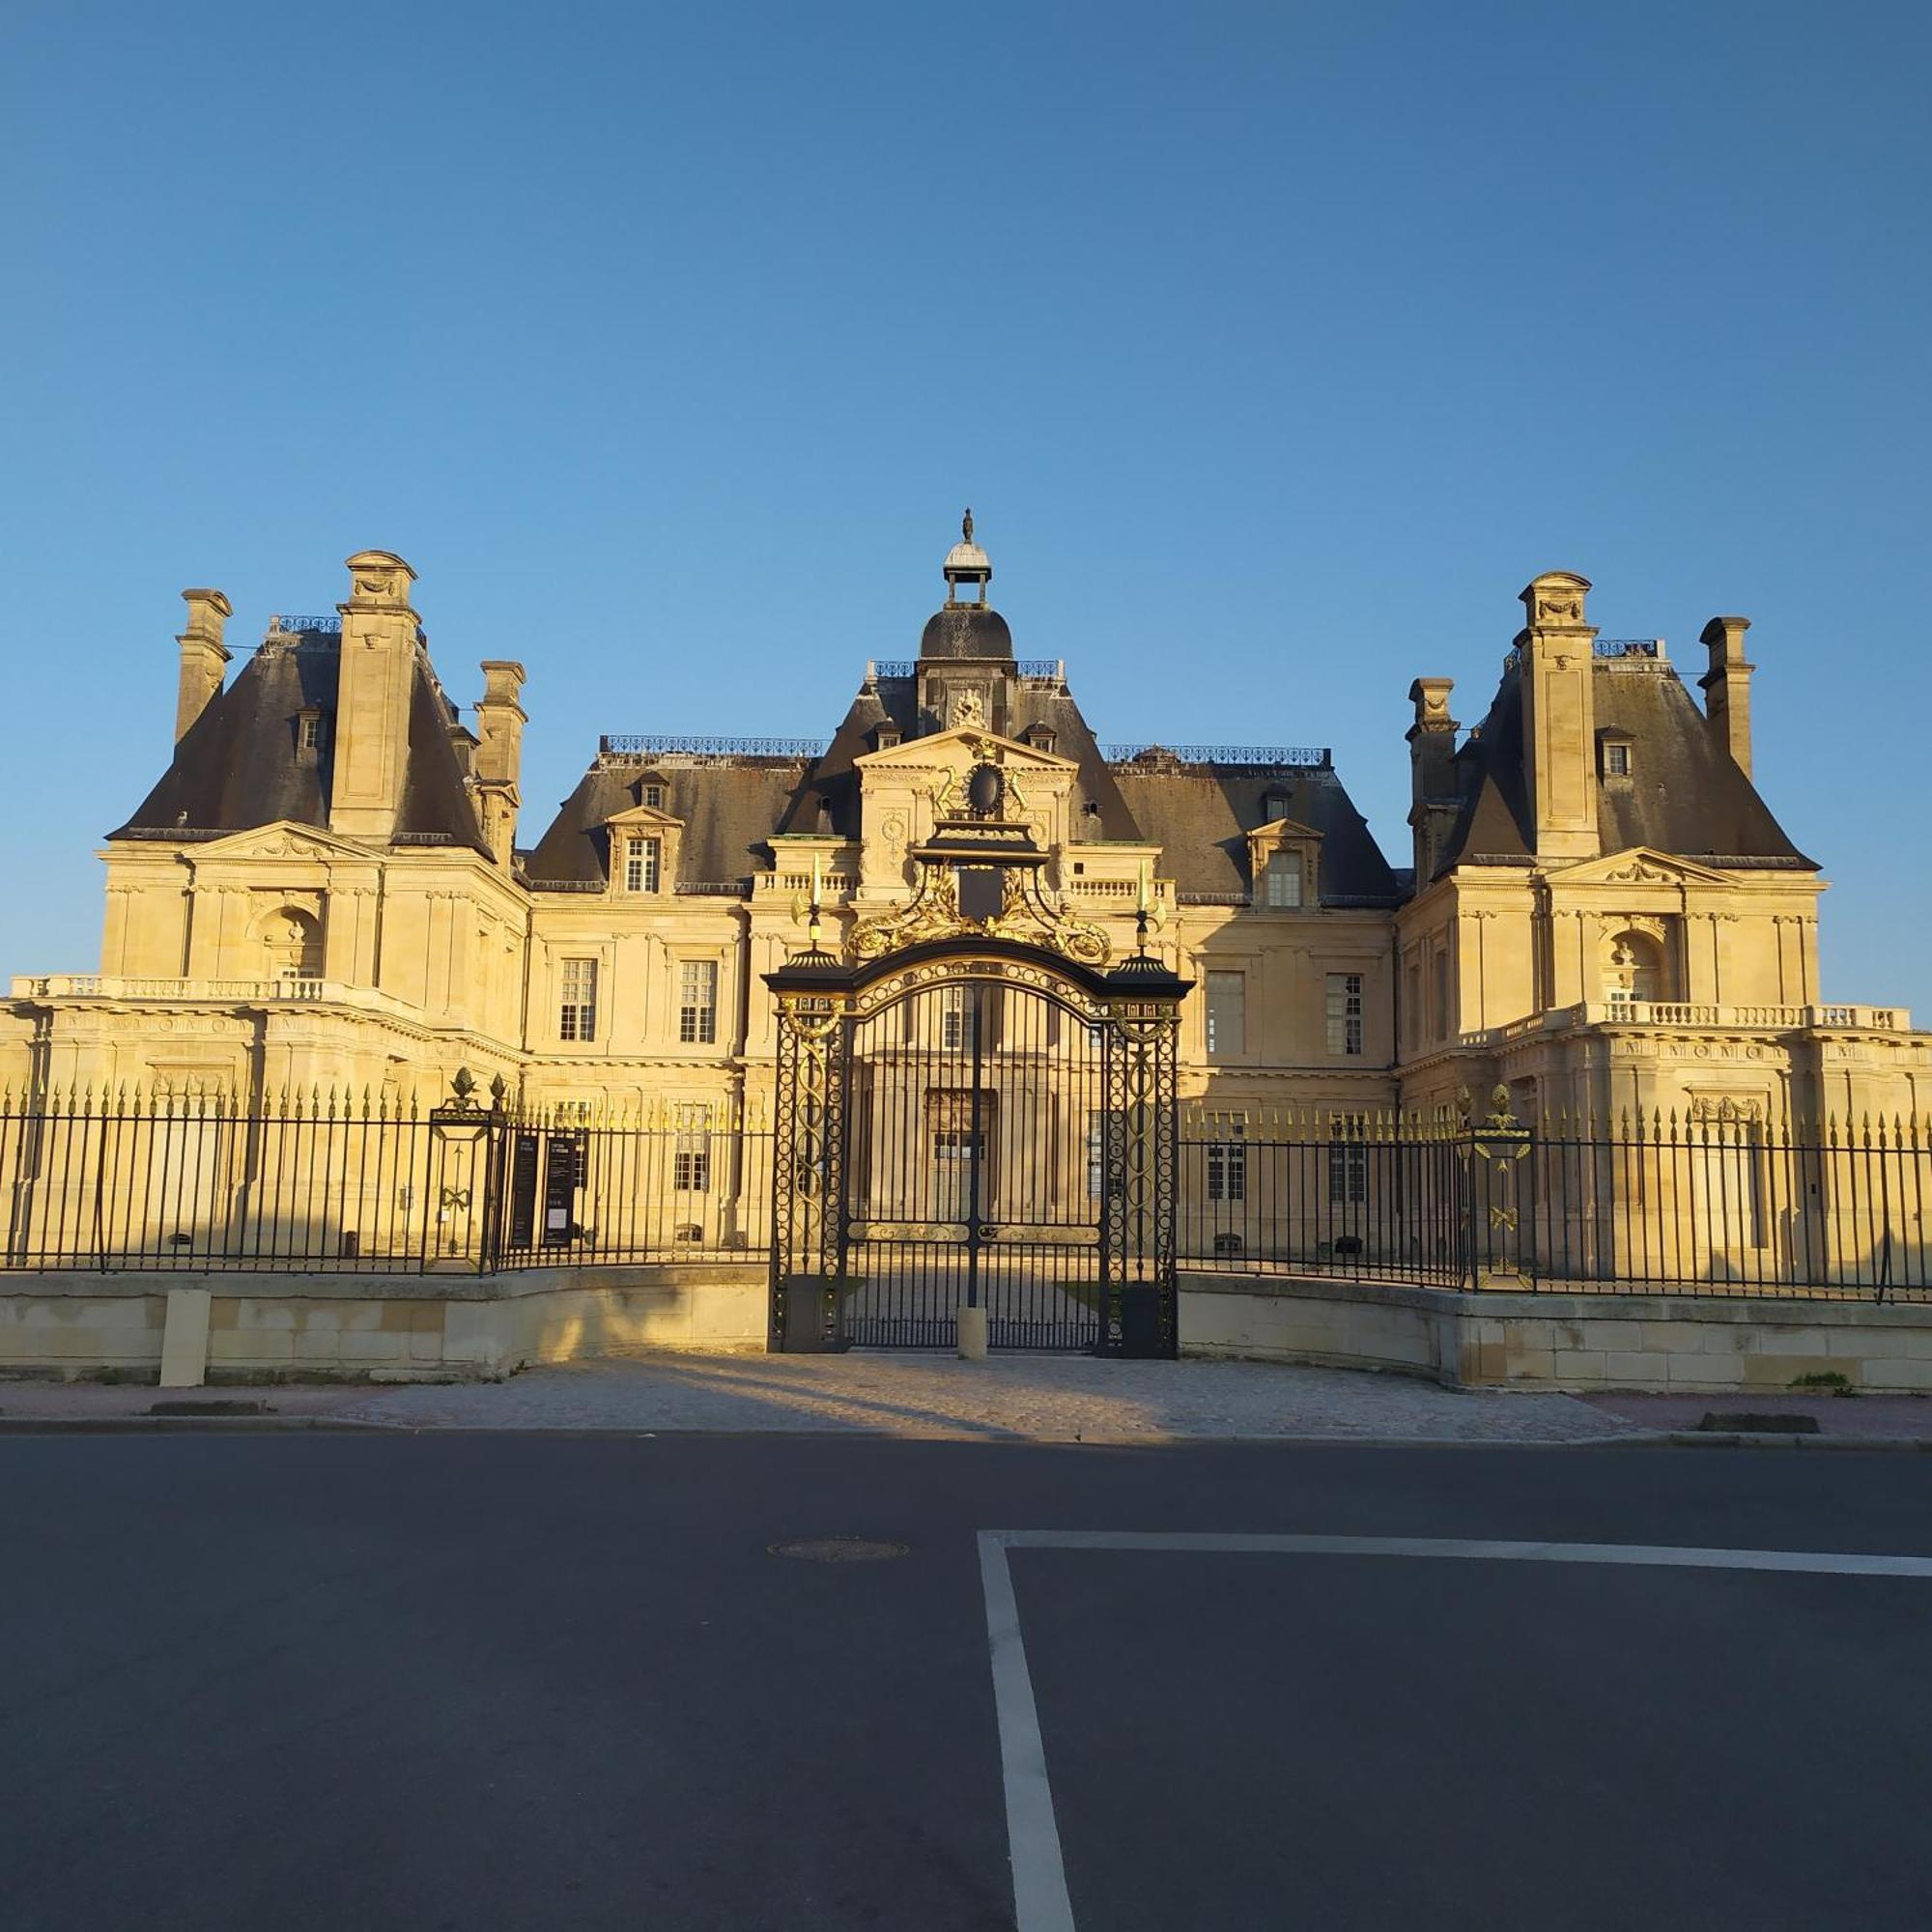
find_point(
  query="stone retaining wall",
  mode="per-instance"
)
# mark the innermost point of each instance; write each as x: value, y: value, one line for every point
x: 1557, y: 1341
x: 383, y: 1328
x: 437, y: 1327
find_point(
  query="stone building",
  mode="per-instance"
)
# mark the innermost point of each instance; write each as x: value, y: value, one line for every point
x: 329, y: 888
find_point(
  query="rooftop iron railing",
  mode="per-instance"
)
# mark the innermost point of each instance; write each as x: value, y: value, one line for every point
x: 1271, y: 757
x: 647, y: 743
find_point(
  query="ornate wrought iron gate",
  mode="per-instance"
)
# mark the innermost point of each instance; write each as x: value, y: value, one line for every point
x: 979, y: 1126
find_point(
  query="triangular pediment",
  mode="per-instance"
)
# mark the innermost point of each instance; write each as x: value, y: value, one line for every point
x: 643, y: 818
x: 962, y: 747
x: 283, y: 839
x: 1638, y: 865
x: 1284, y: 829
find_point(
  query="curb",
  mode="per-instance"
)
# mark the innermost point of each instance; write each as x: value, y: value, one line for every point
x: 1725, y: 1438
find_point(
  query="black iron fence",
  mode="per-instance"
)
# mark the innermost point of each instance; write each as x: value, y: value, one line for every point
x: 1720, y: 1204
x: 334, y: 1183
x: 1723, y: 1203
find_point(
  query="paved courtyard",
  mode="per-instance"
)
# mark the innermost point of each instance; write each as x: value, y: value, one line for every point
x: 1038, y: 1398
x: 1042, y: 1398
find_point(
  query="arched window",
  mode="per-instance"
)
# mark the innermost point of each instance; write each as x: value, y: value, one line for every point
x: 292, y: 941
x: 1634, y: 969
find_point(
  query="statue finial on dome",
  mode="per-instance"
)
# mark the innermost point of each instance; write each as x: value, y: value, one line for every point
x: 966, y: 525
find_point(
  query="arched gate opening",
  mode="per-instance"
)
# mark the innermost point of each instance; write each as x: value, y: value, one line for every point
x: 975, y: 1124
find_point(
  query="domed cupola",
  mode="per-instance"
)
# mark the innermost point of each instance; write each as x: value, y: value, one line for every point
x: 965, y: 626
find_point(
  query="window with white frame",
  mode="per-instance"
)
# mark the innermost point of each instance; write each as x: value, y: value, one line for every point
x: 644, y: 864
x: 1345, y: 1014
x: 691, y: 1155
x: 1228, y: 1162
x: 1282, y: 881
x: 1616, y: 759
x: 958, y: 1018
x: 1227, y: 1014
x: 576, y: 1003
x: 698, y: 1001
x: 1347, y: 1165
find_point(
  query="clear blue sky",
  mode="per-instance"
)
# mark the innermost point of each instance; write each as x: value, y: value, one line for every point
x: 1275, y: 348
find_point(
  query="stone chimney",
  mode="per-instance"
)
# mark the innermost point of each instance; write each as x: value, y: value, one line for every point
x: 1559, y: 716
x: 203, y: 656
x: 500, y: 755
x: 1726, y: 687
x: 1432, y: 772
x: 372, y: 705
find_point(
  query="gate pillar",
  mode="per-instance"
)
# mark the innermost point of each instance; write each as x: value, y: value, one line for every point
x: 813, y: 995
x: 1141, y: 1128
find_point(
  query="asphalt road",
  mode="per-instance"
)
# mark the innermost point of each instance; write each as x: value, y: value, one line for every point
x: 311, y: 1680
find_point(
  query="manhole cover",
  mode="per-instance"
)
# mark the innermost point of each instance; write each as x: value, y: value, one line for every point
x: 838, y: 1549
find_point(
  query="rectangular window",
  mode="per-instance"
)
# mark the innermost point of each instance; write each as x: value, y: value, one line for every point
x: 1227, y: 1014
x: 698, y: 1001
x: 643, y: 860
x: 958, y: 1018
x: 1284, y: 879
x: 1348, y: 1167
x: 1438, y: 988
x: 691, y: 1156
x: 1345, y: 1014
x: 311, y: 735
x: 1412, y: 1016
x: 654, y: 796
x: 1617, y: 760
x: 1228, y: 1165
x: 576, y: 1010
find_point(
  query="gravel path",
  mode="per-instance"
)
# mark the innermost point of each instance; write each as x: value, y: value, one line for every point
x: 1052, y: 1398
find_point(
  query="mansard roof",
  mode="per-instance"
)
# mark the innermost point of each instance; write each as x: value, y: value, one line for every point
x: 1685, y: 794
x: 1200, y: 812
x: 729, y: 806
x: 239, y: 765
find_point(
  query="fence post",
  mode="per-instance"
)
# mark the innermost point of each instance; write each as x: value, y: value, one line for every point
x: 1492, y: 1150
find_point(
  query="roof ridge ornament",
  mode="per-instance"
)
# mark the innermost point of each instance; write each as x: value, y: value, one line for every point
x: 966, y: 523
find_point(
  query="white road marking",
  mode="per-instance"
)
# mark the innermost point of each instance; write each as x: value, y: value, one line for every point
x: 1033, y: 1836
x: 1040, y: 1902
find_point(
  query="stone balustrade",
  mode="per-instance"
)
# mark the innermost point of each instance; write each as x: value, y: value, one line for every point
x: 291, y: 990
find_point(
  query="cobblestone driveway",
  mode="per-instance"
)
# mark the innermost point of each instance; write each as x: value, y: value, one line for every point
x: 1053, y: 1398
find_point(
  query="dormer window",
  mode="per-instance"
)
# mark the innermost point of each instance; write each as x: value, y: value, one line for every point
x: 886, y: 737
x: 644, y: 864
x: 1275, y: 805
x: 1041, y: 737
x: 1616, y: 758
x: 652, y: 793
x: 311, y: 734
x: 1281, y: 881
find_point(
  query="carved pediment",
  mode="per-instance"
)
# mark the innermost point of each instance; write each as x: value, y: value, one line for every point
x: 284, y: 840
x: 1638, y: 865
x: 1285, y: 830
x: 643, y: 818
x: 944, y: 750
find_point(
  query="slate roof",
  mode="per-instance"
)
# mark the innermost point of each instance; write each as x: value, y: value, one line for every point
x: 1685, y: 794
x: 966, y: 631
x: 1201, y: 816
x: 729, y: 807
x: 238, y: 765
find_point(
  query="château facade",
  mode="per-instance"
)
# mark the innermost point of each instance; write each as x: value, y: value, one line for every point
x: 329, y: 887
